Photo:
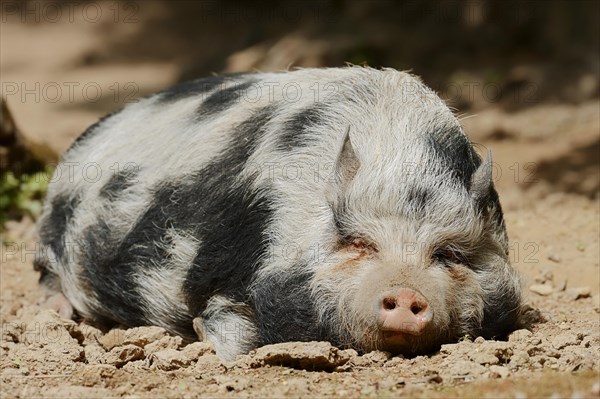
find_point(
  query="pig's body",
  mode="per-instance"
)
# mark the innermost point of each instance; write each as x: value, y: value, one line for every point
x: 334, y: 204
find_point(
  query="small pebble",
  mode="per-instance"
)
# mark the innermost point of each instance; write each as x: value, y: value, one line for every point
x: 111, y: 339
x: 542, y: 289
x: 122, y: 355
x: 499, y: 372
x: 196, y: 349
x: 596, y: 389
x: 519, y: 335
x: 519, y: 359
x: 484, y: 358
x: 565, y: 339
x: 377, y: 357
x: 554, y: 257
x: 168, y: 359
x: 301, y: 355
x: 545, y: 276
x: 562, y: 285
x: 579, y: 292
x: 142, y: 336
x: 564, y: 326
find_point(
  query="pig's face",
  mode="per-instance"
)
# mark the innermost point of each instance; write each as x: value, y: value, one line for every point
x: 418, y: 263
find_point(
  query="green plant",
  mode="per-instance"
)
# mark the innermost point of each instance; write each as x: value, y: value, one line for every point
x: 22, y: 195
x: 466, y: 338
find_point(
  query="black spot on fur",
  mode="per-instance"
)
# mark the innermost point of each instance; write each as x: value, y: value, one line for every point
x: 117, y: 183
x: 294, y: 133
x: 108, y: 271
x: 456, y: 153
x: 48, y: 279
x: 417, y: 199
x: 192, y: 88
x: 230, y: 221
x: 231, y: 250
x: 223, y: 99
x: 285, y: 311
x: 54, y: 226
x: 501, y: 315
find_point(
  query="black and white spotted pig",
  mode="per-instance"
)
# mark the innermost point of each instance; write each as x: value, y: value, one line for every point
x: 339, y: 204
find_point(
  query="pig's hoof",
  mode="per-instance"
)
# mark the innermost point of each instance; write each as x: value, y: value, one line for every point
x: 199, y: 328
x: 60, y: 304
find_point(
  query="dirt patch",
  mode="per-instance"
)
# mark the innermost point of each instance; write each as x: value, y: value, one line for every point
x: 46, y: 356
x: 554, y: 235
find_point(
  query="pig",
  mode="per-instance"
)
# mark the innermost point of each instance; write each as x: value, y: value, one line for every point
x: 338, y: 204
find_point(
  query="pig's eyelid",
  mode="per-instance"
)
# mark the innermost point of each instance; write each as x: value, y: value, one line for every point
x: 449, y: 256
x: 359, y: 243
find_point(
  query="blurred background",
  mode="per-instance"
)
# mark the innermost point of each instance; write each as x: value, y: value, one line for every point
x: 523, y: 75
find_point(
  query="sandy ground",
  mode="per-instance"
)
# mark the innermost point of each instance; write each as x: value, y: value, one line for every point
x: 548, y: 182
x: 547, y: 174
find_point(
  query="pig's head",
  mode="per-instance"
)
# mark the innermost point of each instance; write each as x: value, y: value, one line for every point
x: 421, y: 252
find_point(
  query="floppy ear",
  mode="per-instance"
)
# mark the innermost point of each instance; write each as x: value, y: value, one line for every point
x: 347, y: 163
x: 481, y: 182
x: 486, y: 200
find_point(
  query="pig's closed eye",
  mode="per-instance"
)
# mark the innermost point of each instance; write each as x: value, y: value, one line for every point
x: 448, y: 256
x: 359, y: 244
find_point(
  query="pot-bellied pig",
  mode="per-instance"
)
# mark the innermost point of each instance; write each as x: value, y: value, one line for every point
x: 342, y: 204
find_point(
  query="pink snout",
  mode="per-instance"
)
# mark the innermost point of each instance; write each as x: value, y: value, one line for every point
x: 404, y: 311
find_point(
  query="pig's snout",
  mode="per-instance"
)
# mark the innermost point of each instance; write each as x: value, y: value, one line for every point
x: 404, y: 311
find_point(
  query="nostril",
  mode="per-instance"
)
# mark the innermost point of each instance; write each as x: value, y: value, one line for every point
x: 389, y: 303
x: 417, y: 308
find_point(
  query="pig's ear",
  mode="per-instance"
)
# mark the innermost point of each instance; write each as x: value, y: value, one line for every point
x: 481, y: 182
x: 347, y: 163
x: 486, y: 200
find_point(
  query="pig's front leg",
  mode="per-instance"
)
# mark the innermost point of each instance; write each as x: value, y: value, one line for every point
x: 60, y: 304
x: 230, y: 326
x: 55, y: 299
